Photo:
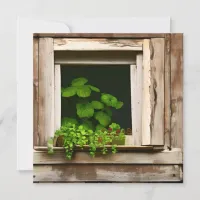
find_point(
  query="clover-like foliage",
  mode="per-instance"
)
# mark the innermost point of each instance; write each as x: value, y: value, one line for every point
x: 92, y: 125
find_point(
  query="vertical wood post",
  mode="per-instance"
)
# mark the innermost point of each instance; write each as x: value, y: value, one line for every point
x: 146, y: 95
x: 167, y: 124
x: 35, y: 92
x: 46, y: 90
x: 57, y: 102
x: 157, y: 86
x: 177, y: 90
x: 153, y: 92
x: 136, y: 99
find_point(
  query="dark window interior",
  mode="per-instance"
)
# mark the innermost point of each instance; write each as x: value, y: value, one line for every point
x: 112, y: 79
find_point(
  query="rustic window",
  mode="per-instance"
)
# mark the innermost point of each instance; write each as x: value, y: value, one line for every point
x: 153, y: 150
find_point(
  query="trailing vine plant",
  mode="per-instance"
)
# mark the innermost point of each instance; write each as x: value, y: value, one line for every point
x: 93, y: 124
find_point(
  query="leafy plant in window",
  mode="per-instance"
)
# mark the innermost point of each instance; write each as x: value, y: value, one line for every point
x: 92, y: 114
x: 93, y: 124
x: 76, y: 135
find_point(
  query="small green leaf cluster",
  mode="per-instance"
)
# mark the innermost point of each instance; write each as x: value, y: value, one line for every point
x: 77, y: 135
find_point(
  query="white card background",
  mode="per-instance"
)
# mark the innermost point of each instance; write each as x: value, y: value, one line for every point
x: 25, y: 29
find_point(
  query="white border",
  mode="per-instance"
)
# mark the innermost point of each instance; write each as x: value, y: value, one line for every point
x: 25, y: 28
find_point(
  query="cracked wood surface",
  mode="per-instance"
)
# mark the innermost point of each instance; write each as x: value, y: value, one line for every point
x: 153, y: 92
x: 62, y: 44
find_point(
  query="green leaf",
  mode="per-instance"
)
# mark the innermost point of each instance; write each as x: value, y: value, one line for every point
x: 109, y: 100
x: 100, y: 127
x: 95, y: 89
x: 69, y: 92
x: 66, y: 120
x: 79, y: 81
x: 83, y: 91
x: 114, y: 126
x: 50, y: 145
x: 108, y: 111
x: 87, y: 125
x: 119, y: 104
x: 103, y: 118
x: 97, y: 105
x: 85, y: 110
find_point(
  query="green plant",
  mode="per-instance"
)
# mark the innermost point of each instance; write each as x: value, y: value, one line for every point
x: 91, y: 113
x: 77, y: 135
x: 92, y: 125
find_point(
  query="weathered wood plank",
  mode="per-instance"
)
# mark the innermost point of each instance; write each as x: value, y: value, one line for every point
x: 95, y: 57
x: 146, y: 104
x: 167, y: 120
x: 153, y: 92
x: 177, y: 90
x: 157, y: 46
x: 86, y: 148
x: 101, y: 35
x: 35, y: 92
x: 46, y: 90
x: 57, y: 94
x: 164, y: 157
x: 97, y: 45
x: 106, y: 173
x: 136, y: 99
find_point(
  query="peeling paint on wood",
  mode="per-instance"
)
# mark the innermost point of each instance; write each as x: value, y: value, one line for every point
x: 97, y: 45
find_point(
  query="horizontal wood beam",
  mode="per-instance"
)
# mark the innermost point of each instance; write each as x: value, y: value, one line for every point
x: 95, y: 57
x: 100, y: 35
x: 107, y: 173
x: 165, y: 157
x: 63, y: 44
x: 119, y: 148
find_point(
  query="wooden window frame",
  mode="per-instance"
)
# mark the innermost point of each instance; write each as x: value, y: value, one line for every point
x: 159, y: 142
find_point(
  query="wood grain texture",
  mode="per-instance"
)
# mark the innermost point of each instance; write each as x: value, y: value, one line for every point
x: 146, y: 95
x: 157, y: 63
x: 119, y: 148
x: 35, y: 92
x: 106, y: 173
x: 167, y: 119
x: 57, y: 95
x: 63, y: 44
x: 95, y: 57
x: 164, y: 157
x: 177, y: 90
x: 101, y: 35
x: 46, y: 90
x: 153, y: 92
x: 136, y: 99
